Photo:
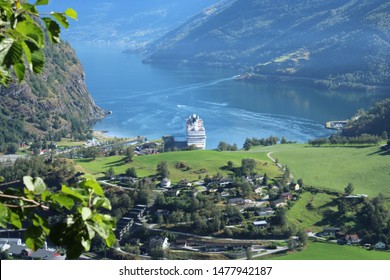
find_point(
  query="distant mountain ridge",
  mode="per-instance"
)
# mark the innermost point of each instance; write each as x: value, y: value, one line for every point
x: 124, y: 23
x: 338, y: 43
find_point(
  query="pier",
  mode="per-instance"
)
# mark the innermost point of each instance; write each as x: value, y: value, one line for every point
x: 336, y: 125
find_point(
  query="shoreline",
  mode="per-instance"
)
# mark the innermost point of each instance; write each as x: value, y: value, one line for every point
x: 103, y: 135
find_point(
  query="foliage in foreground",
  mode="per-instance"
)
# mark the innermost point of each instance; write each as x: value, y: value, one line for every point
x: 22, y: 36
x: 78, y: 211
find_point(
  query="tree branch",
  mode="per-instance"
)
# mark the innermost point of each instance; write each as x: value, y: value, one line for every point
x: 33, y: 202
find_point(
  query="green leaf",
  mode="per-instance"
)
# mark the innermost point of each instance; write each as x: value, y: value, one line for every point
x: 53, y: 29
x: 91, y: 184
x: 45, y: 195
x: 102, y: 229
x: 39, y: 185
x: 91, y: 232
x: 63, y: 200
x: 86, y: 244
x: 101, y: 202
x: 36, y: 185
x: 32, y: 31
x: 31, y: 8
x: 41, y: 2
x: 40, y: 222
x: 111, y: 239
x: 35, y: 237
x: 28, y: 183
x: 20, y: 70
x: 86, y: 213
x: 14, y: 219
x: 38, y: 61
x: 27, y: 53
x: 14, y: 54
x: 71, y: 192
x: 61, y: 19
x: 4, y: 216
x: 71, y: 13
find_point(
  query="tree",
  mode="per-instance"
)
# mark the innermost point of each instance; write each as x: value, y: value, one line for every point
x: 22, y: 36
x: 300, y: 182
x: 162, y: 169
x: 129, y: 154
x: 11, y: 149
x: 79, y: 206
x: 110, y: 173
x: 302, y: 235
x: 349, y: 189
x: 131, y: 172
x: 222, y: 146
x: 265, y: 179
x: 247, y: 166
x: 91, y: 152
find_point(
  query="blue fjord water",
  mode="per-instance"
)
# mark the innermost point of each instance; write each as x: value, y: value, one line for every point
x: 152, y: 101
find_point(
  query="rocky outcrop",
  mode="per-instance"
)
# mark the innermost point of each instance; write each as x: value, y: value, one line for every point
x: 55, y: 102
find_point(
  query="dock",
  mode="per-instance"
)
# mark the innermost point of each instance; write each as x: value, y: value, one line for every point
x: 336, y: 125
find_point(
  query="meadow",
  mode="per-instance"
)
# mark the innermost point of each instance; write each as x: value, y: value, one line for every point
x: 199, y: 163
x: 329, y: 251
x: 314, y: 218
x: 333, y: 167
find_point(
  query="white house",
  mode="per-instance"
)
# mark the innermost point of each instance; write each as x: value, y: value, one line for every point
x: 159, y: 242
x: 380, y: 245
x: 262, y: 224
x: 166, y: 183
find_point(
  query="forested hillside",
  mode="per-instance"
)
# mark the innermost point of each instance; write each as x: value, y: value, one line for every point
x: 51, y: 105
x: 375, y: 121
x: 337, y: 43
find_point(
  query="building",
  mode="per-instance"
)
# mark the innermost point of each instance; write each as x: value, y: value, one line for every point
x: 123, y: 226
x: 352, y: 239
x: 261, y: 224
x: 196, y: 133
x: 380, y: 246
x: 267, y: 211
x: 279, y: 202
x: 159, y: 242
x: 287, y: 196
x: 166, y: 183
x: 330, y: 231
x: 15, y: 247
x: 237, y: 201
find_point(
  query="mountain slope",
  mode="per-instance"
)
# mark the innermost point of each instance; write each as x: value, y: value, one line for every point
x: 129, y: 24
x: 341, y: 42
x: 50, y: 105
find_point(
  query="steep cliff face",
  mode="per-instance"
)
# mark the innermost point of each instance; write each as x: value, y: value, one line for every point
x: 54, y: 103
x: 338, y: 41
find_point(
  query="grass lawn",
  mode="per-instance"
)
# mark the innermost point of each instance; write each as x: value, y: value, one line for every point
x: 312, y: 219
x: 333, y: 167
x: 327, y: 251
x: 212, y: 161
x: 66, y: 142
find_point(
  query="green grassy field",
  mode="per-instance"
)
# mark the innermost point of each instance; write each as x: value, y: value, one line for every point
x: 212, y: 161
x: 333, y: 167
x: 327, y: 251
x: 312, y: 219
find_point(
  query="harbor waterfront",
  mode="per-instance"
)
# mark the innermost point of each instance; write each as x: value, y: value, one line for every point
x: 155, y: 100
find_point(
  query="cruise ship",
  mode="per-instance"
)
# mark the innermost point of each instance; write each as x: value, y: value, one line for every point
x: 196, y: 133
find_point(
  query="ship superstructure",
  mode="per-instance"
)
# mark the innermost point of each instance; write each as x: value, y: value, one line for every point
x: 196, y: 133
